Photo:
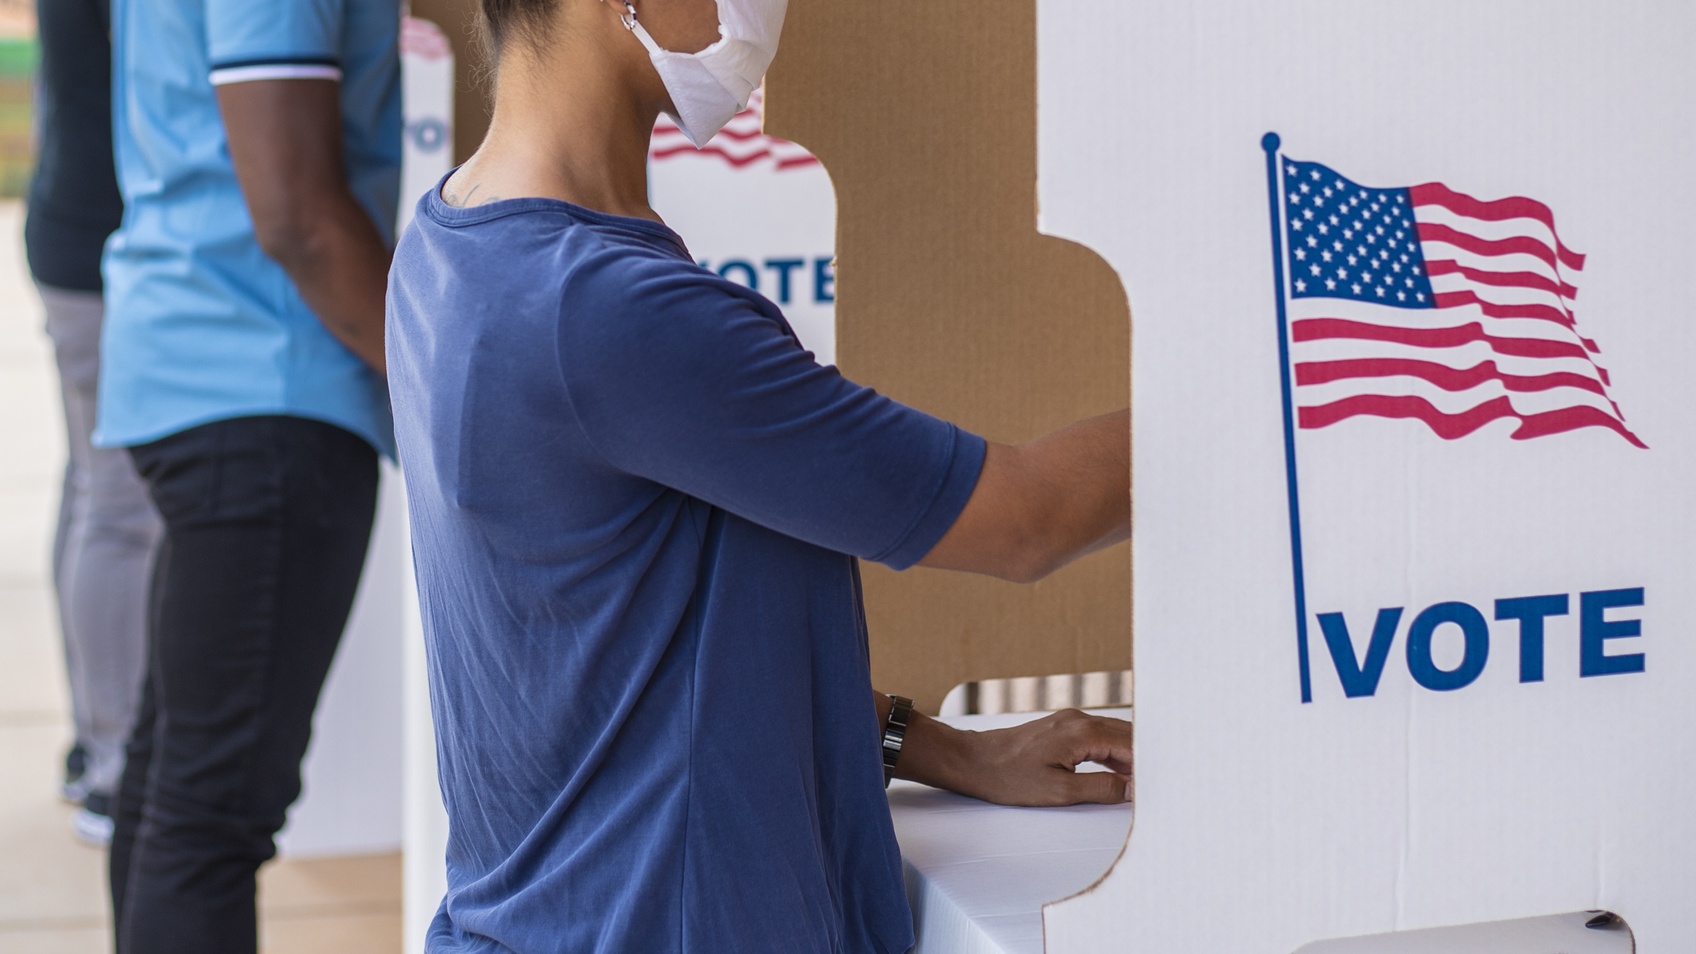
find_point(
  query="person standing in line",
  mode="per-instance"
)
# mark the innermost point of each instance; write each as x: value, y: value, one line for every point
x: 258, y: 151
x: 107, y: 530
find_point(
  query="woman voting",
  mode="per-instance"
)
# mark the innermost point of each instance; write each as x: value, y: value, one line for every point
x: 638, y: 506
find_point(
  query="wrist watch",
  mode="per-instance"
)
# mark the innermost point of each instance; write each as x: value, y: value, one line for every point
x: 895, y: 734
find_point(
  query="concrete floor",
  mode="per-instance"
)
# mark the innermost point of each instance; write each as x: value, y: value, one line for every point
x: 52, y: 893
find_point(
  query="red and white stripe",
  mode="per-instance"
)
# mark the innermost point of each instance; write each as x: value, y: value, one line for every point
x: 423, y: 39
x: 1503, y: 341
x: 741, y: 143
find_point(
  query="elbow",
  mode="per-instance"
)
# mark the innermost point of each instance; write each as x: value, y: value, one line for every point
x: 292, y: 237
x: 1041, y: 557
x: 1029, y: 570
x: 1030, y: 557
x: 1020, y: 573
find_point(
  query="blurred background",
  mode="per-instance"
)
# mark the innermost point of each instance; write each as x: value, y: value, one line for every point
x: 17, y: 89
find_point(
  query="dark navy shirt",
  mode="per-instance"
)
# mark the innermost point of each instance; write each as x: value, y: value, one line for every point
x: 636, y: 505
x: 73, y: 196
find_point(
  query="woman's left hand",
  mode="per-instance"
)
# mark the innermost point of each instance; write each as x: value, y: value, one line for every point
x: 1033, y: 764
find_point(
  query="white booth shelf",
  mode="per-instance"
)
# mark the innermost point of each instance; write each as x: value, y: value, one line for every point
x: 978, y: 876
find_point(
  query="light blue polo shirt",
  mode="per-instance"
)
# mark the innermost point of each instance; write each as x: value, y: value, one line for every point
x: 201, y: 325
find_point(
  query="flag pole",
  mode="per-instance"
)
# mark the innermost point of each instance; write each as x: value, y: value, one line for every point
x: 1270, y: 143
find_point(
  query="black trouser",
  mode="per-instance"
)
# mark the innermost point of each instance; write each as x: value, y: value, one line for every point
x: 266, y: 525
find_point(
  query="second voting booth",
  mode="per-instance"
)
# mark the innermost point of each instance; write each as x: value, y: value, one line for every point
x: 1412, y: 442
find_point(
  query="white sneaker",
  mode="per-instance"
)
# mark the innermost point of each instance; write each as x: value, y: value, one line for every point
x: 73, y: 791
x: 92, y: 824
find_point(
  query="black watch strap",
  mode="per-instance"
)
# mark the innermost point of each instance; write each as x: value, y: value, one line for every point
x: 895, y: 734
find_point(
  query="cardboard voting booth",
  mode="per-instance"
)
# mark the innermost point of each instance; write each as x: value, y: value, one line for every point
x: 1411, y: 536
x: 1408, y: 605
x: 1412, y: 415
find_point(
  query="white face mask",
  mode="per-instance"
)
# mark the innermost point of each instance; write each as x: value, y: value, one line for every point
x: 712, y: 86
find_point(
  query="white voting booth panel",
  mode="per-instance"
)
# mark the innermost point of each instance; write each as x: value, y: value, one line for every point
x: 427, y: 74
x: 979, y: 875
x: 351, y: 778
x: 1412, y: 409
x: 354, y: 774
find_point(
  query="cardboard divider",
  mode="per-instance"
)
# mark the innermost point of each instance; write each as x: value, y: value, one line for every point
x: 949, y: 300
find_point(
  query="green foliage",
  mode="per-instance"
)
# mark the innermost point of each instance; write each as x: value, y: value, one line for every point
x: 17, y: 130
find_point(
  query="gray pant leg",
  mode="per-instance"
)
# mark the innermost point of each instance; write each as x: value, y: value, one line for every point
x: 62, y: 532
x: 110, y: 533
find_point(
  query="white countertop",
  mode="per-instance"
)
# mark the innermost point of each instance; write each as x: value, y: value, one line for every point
x: 978, y: 875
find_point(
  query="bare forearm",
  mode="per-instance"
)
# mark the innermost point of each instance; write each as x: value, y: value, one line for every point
x: 285, y: 140
x: 1086, y: 470
x: 1030, y: 764
x: 340, y: 264
x: 1038, y: 506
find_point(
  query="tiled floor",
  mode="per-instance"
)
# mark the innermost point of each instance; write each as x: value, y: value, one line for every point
x: 52, y: 894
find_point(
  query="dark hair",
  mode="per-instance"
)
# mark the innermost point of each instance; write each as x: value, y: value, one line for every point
x: 505, y: 20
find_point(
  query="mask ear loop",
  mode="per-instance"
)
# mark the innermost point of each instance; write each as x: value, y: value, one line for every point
x: 628, y: 18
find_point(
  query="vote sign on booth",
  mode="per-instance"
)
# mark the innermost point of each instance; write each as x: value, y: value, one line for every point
x: 1429, y: 305
x: 757, y: 210
x: 1415, y: 426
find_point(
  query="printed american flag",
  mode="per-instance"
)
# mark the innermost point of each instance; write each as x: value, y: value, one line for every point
x: 1425, y: 303
x: 741, y: 143
x: 424, y: 39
